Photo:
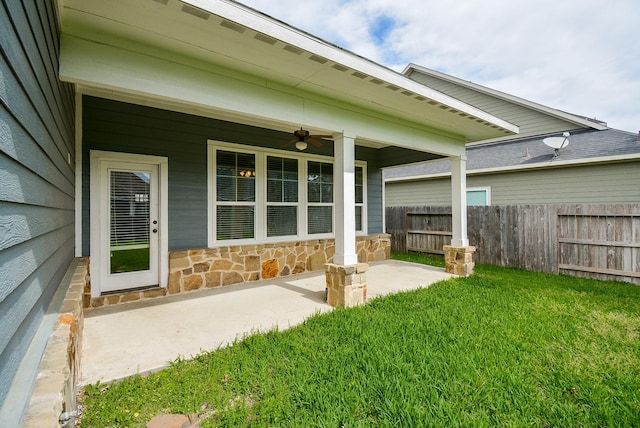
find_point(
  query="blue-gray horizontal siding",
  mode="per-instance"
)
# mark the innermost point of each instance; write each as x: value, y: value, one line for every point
x: 37, y: 182
x: 374, y: 188
x: 182, y: 138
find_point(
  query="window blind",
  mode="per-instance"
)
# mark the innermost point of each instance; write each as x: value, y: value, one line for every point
x: 129, y: 208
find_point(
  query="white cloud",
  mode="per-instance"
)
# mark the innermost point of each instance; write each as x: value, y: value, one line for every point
x: 581, y: 56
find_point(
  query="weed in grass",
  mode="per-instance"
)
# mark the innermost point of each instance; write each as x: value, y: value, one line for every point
x: 501, y: 348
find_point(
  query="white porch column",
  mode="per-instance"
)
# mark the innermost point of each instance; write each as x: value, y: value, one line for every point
x: 459, y: 201
x: 458, y: 257
x: 344, y: 181
x: 346, y: 279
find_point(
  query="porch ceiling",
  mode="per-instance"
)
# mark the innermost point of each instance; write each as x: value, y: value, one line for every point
x: 230, y: 35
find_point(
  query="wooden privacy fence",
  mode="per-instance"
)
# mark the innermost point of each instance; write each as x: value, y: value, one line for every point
x: 596, y: 241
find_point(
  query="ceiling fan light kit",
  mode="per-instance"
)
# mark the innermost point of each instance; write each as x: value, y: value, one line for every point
x: 303, y: 137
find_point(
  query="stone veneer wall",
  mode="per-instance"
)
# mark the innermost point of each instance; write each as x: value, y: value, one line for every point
x: 56, y: 385
x: 197, y: 269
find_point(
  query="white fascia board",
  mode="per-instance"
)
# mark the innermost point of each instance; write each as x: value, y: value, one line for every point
x: 507, y: 97
x: 149, y: 76
x: 262, y: 23
x: 419, y: 177
x: 514, y: 168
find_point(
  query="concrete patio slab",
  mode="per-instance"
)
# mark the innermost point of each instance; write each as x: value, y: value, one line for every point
x: 140, y: 337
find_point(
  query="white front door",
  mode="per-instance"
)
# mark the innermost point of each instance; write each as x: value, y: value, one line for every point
x: 126, y: 222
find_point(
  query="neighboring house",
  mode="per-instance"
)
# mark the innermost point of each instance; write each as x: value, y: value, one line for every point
x: 596, y: 165
x: 186, y: 109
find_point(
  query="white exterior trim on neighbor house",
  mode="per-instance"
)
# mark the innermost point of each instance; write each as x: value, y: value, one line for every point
x: 551, y: 164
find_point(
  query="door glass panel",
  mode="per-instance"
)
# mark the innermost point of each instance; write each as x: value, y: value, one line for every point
x: 129, y: 209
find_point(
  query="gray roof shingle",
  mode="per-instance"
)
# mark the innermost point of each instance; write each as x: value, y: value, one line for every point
x: 583, y: 145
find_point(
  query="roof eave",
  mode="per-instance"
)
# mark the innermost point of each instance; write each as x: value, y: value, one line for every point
x: 279, y: 30
x: 507, y: 97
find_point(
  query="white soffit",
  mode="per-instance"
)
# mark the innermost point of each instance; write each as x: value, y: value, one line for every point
x: 236, y: 37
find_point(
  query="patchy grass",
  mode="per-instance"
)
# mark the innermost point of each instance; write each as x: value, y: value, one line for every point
x: 501, y: 348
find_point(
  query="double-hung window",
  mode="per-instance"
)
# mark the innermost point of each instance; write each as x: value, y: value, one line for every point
x: 360, y: 175
x: 319, y: 197
x: 259, y: 195
x: 282, y: 196
x: 235, y: 195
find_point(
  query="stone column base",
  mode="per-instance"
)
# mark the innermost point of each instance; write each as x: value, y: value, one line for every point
x: 346, y: 285
x: 459, y: 260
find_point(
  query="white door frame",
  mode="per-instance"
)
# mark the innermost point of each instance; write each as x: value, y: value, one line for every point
x: 97, y: 158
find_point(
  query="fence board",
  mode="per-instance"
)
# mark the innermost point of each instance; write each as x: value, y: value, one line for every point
x: 597, y: 241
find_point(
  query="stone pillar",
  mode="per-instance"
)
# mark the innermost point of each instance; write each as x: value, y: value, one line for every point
x: 346, y: 285
x: 459, y: 260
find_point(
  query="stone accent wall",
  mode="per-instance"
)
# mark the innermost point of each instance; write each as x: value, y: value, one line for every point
x: 459, y: 260
x: 346, y: 285
x: 55, y: 390
x: 197, y: 269
x: 215, y: 267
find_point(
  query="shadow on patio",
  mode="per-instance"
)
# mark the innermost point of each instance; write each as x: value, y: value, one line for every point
x: 140, y: 337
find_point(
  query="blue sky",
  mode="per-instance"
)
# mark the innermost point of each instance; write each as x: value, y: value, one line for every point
x: 580, y: 56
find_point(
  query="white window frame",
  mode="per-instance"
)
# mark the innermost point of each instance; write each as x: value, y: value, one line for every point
x: 285, y: 155
x: 260, y: 223
x: 486, y: 190
x: 365, y: 228
x: 212, y: 196
x: 308, y: 204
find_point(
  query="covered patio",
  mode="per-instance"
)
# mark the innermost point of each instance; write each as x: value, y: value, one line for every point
x: 182, y: 175
x: 144, y: 336
x: 200, y: 99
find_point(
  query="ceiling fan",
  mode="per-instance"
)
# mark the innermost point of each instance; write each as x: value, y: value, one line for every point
x: 303, y: 137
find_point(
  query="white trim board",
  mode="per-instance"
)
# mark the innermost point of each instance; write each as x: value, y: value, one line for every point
x: 260, y: 202
x: 78, y: 176
x: 514, y: 168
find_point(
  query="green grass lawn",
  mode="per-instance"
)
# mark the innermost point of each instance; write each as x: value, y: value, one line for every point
x: 501, y: 348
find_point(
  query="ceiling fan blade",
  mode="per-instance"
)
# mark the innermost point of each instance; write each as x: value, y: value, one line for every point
x: 328, y: 137
x: 288, y: 143
x: 315, y: 142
